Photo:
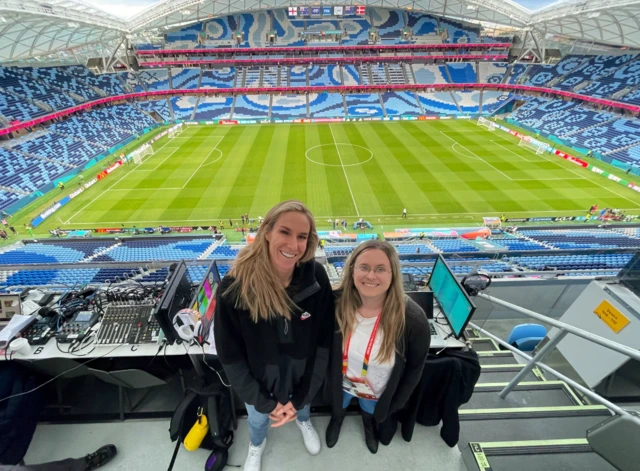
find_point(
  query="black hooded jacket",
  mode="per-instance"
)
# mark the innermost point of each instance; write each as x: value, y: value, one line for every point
x: 278, y: 360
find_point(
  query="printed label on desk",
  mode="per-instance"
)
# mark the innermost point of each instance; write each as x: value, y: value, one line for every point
x: 481, y: 458
x: 611, y: 316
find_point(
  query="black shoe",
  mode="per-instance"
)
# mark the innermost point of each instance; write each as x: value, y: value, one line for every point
x: 333, y: 430
x: 100, y: 457
x: 370, y: 435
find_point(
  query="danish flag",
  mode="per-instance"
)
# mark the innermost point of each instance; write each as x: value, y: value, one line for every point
x: 360, y: 10
x: 293, y: 11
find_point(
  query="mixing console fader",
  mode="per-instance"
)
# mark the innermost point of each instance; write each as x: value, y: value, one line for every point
x: 128, y: 323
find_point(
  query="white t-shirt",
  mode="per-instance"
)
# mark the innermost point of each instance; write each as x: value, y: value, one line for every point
x: 377, y: 374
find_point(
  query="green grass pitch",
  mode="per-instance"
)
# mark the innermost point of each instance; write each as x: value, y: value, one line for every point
x: 444, y: 172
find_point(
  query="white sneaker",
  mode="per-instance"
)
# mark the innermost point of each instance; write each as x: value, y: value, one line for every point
x: 254, y: 458
x: 310, y: 437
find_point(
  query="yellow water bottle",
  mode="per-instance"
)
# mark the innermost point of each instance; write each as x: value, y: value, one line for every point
x: 197, y: 433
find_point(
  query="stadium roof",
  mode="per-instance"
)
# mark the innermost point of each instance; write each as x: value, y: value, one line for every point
x: 29, y: 28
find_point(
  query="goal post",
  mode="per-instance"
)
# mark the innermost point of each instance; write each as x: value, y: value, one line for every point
x: 138, y: 155
x: 490, y: 125
x: 175, y: 131
x: 530, y: 145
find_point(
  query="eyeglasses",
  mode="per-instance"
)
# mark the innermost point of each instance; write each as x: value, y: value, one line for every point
x: 379, y: 270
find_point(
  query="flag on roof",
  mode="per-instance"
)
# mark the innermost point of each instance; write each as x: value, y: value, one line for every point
x: 293, y: 11
x: 360, y: 10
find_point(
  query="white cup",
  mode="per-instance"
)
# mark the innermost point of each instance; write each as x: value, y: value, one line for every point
x: 21, y: 346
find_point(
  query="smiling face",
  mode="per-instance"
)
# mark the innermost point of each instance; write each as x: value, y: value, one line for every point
x: 372, y: 274
x: 288, y: 242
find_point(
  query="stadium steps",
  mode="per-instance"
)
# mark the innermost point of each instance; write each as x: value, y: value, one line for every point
x: 306, y: 97
x: 170, y: 78
x: 233, y: 107
x: 455, y: 101
x: 408, y: 76
x: 199, y: 80
x: 173, y: 116
x: 195, y: 109
x: 413, y: 74
x: 45, y: 159
x: 79, y: 139
x: 552, y: 247
x: 13, y: 190
x: 449, y: 79
x: 562, y: 78
x: 587, y: 128
x: 271, y: 104
x: 209, y: 250
x: 506, y: 434
x: 507, y: 74
x: 102, y: 252
x: 415, y: 97
x: 243, y: 79
x: 279, y: 76
x: 384, y: 110
x: 620, y: 149
x: 477, y: 66
x: 621, y: 93
x: 480, y: 100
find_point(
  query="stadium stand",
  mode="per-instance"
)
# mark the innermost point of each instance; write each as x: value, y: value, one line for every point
x: 183, y: 106
x: 324, y: 75
x: 185, y: 78
x: 218, y: 78
x: 401, y: 104
x: 326, y: 105
x: 462, y: 72
x: 491, y: 72
x: 149, y: 250
x: 251, y: 106
x: 428, y: 74
x: 286, y: 106
x: 361, y: 105
x: 155, y: 79
x: 214, y: 108
x: 159, y: 106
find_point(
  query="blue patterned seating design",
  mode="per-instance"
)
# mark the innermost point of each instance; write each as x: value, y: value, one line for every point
x: 286, y: 31
x: 155, y: 79
x: 218, y: 78
x: 516, y: 71
x: 455, y: 245
x: 255, y: 27
x: 573, y: 262
x: 224, y: 252
x: 159, y: 106
x: 517, y: 243
x: 630, y: 155
x: 14, y: 108
x: 438, y: 102
x: 400, y: 103
x: 251, y: 106
x: 149, y: 250
x: 190, y: 33
x: 185, y: 78
x: 358, y: 31
x: 131, y: 81
x: 492, y: 72
x: 7, y: 199
x: 324, y: 75
x: 595, y: 69
x: 269, y: 76
x: 75, y: 277
x: 110, y: 84
x: 288, y: 106
x: 541, y: 74
x: 325, y: 105
x: 221, y: 28
x: 334, y: 251
x: 214, y: 108
x: 458, y: 33
x: 388, y: 22
x: 56, y: 77
x: 359, y: 105
x: 610, y: 136
x: 428, y: 74
x: 422, y: 24
x: 632, y: 97
x: 24, y: 173
x: 469, y: 102
x: 20, y: 83
x: 298, y: 76
x: 350, y: 75
x: 183, y: 106
x: 413, y: 248
x: 462, y: 72
x: 42, y: 253
x: 583, y: 239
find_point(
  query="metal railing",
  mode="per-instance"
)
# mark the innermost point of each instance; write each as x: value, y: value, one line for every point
x: 564, y: 329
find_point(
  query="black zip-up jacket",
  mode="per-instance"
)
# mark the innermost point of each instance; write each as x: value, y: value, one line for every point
x: 278, y: 360
x: 411, y: 352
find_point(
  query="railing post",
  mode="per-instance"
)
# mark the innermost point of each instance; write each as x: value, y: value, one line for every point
x: 544, y: 351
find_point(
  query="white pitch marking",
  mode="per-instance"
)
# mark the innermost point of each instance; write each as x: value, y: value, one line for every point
x: 345, y: 172
x: 480, y: 158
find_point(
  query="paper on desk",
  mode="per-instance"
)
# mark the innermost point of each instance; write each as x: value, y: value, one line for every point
x: 13, y: 328
x: 212, y: 342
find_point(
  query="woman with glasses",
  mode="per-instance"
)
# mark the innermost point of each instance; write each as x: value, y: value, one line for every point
x: 273, y: 326
x: 381, y: 343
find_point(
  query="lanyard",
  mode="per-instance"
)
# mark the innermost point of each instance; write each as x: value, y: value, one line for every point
x: 367, y: 353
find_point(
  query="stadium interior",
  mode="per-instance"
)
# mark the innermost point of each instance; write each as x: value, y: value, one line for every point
x: 84, y: 93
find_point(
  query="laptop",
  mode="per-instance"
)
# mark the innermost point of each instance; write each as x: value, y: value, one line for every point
x: 424, y: 299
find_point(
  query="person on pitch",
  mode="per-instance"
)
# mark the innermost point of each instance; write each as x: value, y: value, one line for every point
x: 274, y: 325
x: 380, y: 344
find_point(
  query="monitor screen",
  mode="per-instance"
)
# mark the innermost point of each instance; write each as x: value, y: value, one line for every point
x: 453, y: 299
x: 629, y: 276
x: 204, y: 301
x: 176, y: 296
x: 424, y: 299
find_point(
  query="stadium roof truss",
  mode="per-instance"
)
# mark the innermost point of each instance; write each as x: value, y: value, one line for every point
x: 29, y: 28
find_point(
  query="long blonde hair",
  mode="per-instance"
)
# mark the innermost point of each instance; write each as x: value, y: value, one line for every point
x: 255, y: 287
x: 393, y: 317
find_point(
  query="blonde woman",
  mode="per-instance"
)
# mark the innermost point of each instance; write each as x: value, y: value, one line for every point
x: 381, y: 343
x: 273, y: 326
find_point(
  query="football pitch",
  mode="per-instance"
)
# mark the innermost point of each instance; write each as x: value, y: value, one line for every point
x: 443, y: 172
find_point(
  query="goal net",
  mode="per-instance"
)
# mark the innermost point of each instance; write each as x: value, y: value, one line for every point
x: 490, y: 125
x: 175, y: 131
x: 138, y: 155
x: 531, y: 145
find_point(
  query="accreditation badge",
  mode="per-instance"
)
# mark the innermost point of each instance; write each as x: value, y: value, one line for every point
x: 358, y: 387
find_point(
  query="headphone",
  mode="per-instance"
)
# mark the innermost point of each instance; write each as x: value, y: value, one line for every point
x: 187, y: 324
x: 475, y: 282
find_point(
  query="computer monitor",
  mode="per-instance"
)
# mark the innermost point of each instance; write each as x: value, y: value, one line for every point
x: 424, y: 299
x: 629, y: 276
x: 204, y: 300
x: 176, y: 296
x: 453, y: 299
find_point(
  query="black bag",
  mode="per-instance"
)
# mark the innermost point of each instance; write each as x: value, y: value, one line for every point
x: 215, y: 401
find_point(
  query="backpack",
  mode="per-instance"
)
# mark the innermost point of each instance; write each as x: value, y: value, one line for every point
x: 214, y: 401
